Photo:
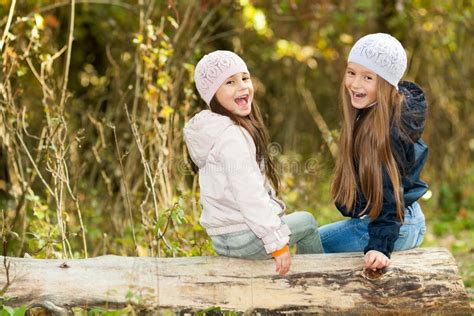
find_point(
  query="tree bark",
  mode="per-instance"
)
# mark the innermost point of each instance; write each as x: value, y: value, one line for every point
x: 419, y: 281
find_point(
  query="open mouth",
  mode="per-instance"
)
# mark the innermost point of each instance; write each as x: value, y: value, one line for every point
x: 359, y: 95
x: 243, y: 100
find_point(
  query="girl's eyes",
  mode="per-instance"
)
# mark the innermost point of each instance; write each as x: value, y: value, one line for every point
x: 352, y: 73
x: 229, y: 82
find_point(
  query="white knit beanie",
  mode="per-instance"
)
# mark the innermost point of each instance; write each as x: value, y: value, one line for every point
x: 382, y: 54
x: 213, y: 69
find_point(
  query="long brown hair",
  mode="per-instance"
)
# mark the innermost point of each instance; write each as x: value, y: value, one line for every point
x: 365, y: 150
x: 253, y: 123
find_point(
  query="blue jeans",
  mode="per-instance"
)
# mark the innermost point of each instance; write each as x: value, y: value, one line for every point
x: 352, y: 235
x: 245, y: 244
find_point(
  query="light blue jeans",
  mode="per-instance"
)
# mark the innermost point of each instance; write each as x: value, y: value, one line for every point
x: 352, y: 235
x: 245, y: 244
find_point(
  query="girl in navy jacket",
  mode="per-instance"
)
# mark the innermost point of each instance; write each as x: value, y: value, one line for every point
x: 377, y: 175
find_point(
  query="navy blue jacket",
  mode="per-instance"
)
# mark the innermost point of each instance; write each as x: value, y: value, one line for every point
x: 410, y: 153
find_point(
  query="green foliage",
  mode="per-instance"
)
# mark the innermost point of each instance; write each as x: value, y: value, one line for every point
x: 12, y: 311
x: 215, y: 310
x: 103, y: 312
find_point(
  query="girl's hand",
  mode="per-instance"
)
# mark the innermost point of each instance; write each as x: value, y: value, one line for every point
x: 376, y: 260
x: 283, y: 263
x: 283, y: 260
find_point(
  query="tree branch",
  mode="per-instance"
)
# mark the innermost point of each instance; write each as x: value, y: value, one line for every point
x: 7, y: 27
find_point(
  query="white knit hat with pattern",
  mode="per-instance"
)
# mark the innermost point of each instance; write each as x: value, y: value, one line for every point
x: 213, y: 69
x: 382, y: 54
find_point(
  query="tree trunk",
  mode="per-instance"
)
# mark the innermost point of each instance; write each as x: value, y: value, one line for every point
x: 419, y: 281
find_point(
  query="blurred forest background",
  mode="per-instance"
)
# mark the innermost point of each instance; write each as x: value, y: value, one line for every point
x: 94, y: 95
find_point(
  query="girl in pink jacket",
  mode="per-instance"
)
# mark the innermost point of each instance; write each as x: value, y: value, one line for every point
x: 240, y: 210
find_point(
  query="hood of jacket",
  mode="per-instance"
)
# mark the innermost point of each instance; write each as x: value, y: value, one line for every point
x: 414, y: 109
x: 202, y: 132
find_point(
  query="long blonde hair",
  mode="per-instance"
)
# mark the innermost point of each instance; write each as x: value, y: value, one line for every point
x: 365, y: 150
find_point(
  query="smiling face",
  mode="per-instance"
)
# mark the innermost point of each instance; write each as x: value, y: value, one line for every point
x: 361, y: 84
x: 236, y: 94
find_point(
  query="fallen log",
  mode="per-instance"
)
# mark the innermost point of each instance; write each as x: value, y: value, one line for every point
x: 420, y: 281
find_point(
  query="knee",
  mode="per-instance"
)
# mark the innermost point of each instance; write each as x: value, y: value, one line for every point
x: 309, y: 221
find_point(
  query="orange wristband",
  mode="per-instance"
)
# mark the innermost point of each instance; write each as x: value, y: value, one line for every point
x: 281, y: 251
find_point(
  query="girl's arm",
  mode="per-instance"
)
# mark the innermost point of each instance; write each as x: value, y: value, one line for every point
x: 247, y: 185
x: 411, y: 156
x: 384, y: 230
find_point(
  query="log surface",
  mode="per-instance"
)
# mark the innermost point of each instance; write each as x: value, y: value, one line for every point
x: 420, y: 281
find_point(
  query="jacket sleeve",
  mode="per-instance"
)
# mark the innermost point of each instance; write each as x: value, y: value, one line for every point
x: 248, y: 188
x: 384, y: 230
